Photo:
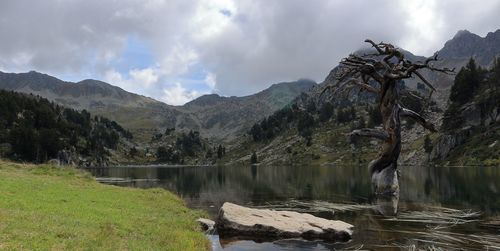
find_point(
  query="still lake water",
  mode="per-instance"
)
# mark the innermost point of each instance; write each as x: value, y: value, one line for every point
x: 438, y: 207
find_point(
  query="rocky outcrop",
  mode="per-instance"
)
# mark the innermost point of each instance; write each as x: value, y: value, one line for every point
x: 448, y: 142
x: 264, y: 223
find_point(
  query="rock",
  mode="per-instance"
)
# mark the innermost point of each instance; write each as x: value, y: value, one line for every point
x: 493, y: 144
x: 448, y: 142
x: 385, y: 182
x: 472, y: 115
x: 410, y: 156
x: 206, y: 224
x: 238, y: 220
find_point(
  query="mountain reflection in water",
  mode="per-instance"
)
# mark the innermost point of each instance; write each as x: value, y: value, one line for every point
x: 447, y: 207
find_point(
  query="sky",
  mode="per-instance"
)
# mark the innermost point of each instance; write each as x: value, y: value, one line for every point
x: 177, y: 50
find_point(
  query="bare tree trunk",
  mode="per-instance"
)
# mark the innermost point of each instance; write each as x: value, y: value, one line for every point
x: 384, y: 168
x: 386, y: 67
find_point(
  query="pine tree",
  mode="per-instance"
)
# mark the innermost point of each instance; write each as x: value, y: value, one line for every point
x: 253, y: 159
x: 466, y: 82
x: 220, y: 151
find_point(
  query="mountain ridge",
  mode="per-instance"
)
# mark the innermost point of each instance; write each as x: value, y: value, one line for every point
x: 213, y: 115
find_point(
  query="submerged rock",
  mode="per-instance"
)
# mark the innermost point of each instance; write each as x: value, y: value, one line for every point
x: 238, y: 220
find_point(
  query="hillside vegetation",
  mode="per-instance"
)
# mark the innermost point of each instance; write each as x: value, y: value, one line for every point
x: 36, y: 130
x: 471, y: 125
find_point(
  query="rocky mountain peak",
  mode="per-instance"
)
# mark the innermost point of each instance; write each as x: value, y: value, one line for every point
x: 208, y: 99
x: 493, y: 35
x: 466, y: 44
x: 463, y: 33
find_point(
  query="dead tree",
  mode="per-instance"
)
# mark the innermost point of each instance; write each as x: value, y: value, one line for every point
x: 379, y: 73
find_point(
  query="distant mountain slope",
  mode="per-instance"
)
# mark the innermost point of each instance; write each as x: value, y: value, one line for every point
x: 214, y: 116
x: 226, y: 117
x: 87, y: 94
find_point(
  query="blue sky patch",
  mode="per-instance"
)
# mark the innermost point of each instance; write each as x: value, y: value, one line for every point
x: 225, y: 12
x: 136, y: 55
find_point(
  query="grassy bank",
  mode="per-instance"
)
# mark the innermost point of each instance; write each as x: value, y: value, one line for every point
x: 44, y: 207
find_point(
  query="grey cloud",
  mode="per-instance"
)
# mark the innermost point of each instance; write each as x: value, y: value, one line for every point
x: 287, y: 40
x: 264, y: 43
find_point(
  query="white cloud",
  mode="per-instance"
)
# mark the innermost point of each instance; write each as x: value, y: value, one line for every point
x: 178, y: 95
x: 209, y: 21
x: 113, y: 77
x: 138, y: 80
x: 178, y: 60
x: 211, y: 80
x: 145, y: 77
x: 424, y: 23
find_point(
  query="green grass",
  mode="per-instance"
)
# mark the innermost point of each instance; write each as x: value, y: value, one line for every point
x: 44, y: 207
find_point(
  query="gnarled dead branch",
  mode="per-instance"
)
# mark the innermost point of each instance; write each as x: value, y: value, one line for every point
x: 379, y: 73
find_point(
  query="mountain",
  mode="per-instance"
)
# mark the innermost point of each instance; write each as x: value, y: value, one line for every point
x: 466, y: 44
x: 229, y: 117
x: 220, y: 118
x: 87, y: 94
x: 301, y: 135
x: 456, y: 52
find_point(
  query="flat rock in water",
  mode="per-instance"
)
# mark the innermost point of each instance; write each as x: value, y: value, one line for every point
x: 237, y: 220
x: 206, y: 224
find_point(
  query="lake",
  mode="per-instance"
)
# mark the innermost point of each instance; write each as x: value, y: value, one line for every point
x: 438, y: 207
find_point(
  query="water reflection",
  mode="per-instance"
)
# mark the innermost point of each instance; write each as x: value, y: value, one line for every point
x: 422, y: 188
x: 387, y: 205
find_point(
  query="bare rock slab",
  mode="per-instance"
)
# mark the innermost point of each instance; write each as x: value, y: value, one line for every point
x: 206, y: 224
x: 265, y: 223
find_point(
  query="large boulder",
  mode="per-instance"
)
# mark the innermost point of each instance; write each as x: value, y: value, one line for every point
x: 265, y: 223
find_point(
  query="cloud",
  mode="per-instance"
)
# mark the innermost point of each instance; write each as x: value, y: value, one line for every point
x: 232, y: 47
x: 178, y: 95
x: 145, y: 77
x: 211, y: 80
x: 137, y: 80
